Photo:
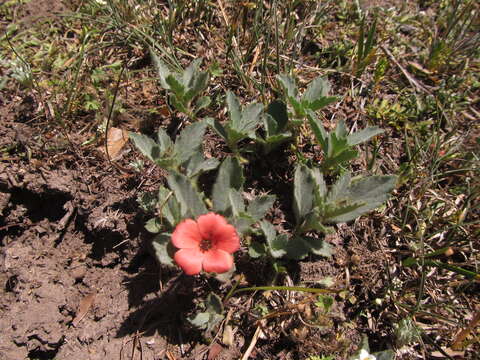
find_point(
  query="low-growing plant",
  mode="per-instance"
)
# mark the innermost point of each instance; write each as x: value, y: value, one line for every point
x: 314, y: 98
x: 338, y: 145
x: 242, y: 123
x: 184, y: 86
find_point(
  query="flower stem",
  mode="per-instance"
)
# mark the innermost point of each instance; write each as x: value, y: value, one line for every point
x: 289, y: 288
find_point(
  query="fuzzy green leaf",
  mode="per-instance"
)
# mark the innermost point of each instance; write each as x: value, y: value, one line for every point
x: 189, y: 143
x: 363, y: 135
x: 288, y: 84
x: 259, y: 206
x: 278, y: 112
x: 164, y: 250
x: 303, y: 187
x: 230, y: 175
x: 190, y: 201
x: 162, y: 69
x: 146, y: 145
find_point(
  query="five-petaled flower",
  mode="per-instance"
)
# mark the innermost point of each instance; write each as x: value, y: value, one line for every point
x: 205, y: 244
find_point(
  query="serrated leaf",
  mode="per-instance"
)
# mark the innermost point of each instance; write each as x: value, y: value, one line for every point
x: 318, y: 246
x: 318, y: 88
x: 164, y: 250
x: 321, y: 103
x: 259, y: 206
x: 371, y: 192
x: 233, y: 109
x: 339, y: 190
x: 199, y: 84
x: 288, y: 84
x: 363, y: 135
x: 168, y: 206
x: 230, y: 175
x: 236, y: 203
x: 175, y: 85
x: 164, y: 141
x: 197, y: 165
x: 296, y: 248
x: 190, y: 201
x: 217, y: 127
x: 190, y: 72
x: 277, y: 244
x: 318, y: 130
x: 278, y: 112
x: 202, y: 103
x: 303, y: 187
x: 162, y: 70
x: 189, y: 142
x: 256, y: 250
x: 146, y: 145
x: 341, y: 130
x: 242, y: 223
x: 154, y: 225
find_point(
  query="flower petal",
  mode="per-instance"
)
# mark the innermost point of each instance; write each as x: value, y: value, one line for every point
x: 208, y: 223
x: 190, y: 260
x: 226, y: 238
x: 217, y: 261
x: 186, y: 235
x: 216, y: 228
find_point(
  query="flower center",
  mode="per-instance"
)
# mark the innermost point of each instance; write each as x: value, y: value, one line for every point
x: 205, y: 245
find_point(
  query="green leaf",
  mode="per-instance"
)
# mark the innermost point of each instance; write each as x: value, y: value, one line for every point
x: 256, y: 250
x: 178, y: 103
x: 278, y: 112
x: 164, y: 141
x: 303, y: 187
x: 197, y: 165
x: 363, y: 135
x: 341, y: 130
x: 371, y: 192
x: 190, y: 201
x: 288, y: 84
x: 217, y: 127
x: 236, y: 203
x: 190, y: 72
x: 296, y: 248
x: 318, y: 88
x: 199, y: 84
x: 233, y: 109
x: 146, y: 145
x: 318, y: 246
x: 259, y: 206
x: 243, y: 223
x: 176, y: 86
x: 147, y: 201
x: 164, y: 250
x: 276, y: 244
x: 250, y: 119
x: 168, y: 206
x: 200, y: 320
x: 162, y: 70
x: 340, y: 188
x: 202, y: 103
x: 154, y: 225
x: 189, y: 142
x: 318, y: 130
x: 230, y: 175
x: 321, y: 103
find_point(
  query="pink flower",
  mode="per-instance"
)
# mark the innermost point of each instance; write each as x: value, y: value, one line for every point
x: 206, y: 243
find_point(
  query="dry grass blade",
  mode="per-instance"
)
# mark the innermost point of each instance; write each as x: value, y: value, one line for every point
x: 462, y: 335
